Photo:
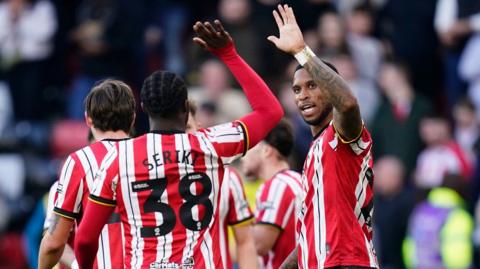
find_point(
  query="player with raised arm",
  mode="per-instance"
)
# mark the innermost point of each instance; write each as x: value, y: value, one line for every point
x: 335, y: 223
x: 110, y: 114
x: 235, y: 212
x: 278, y: 199
x: 166, y: 183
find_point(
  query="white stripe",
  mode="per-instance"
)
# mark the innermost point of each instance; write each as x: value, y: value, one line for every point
x: 126, y: 165
x: 84, y: 160
x: 78, y: 199
x: 207, y: 251
x: 319, y: 206
x: 94, y: 164
x: 236, y: 190
x: 275, y: 194
x: 104, y: 248
x: 361, y: 189
x: 64, y: 180
x: 101, y: 174
x: 371, y: 256
x: 287, y: 215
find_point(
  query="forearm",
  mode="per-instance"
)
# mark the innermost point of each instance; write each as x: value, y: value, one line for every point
x: 48, y: 256
x: 346, y: 110
x: 291, y: 262
x: 267, y: 110
x: 246, y: 254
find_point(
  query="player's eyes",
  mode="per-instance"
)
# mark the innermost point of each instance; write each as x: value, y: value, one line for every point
x: 296, y: 90
x: 312, y: 85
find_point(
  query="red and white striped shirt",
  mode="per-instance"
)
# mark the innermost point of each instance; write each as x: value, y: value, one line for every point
x: 234, y: 209
x: 335, y: 222
x: 166, y: 186
x: 75, y: 183
x: 278, y: 204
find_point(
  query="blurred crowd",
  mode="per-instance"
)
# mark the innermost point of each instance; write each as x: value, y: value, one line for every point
x: 413, y: 65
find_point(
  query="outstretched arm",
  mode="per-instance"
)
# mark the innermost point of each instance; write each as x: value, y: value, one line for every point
x: 346, y: 115
x: 267, y: 111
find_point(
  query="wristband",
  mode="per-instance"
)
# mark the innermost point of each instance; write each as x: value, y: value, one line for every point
x: 304, y: 55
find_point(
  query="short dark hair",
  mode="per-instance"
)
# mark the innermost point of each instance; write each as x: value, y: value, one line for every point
x: 281, y: 138
x: 111, y: 106
x: 163, y: 94
x: 332, y: 67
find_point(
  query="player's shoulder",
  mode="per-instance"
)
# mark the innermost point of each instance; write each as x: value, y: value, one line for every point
x: 288, y: 178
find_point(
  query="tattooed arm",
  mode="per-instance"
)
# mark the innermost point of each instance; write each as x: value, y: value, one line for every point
x: 346, y: 114
x: 54, y: 241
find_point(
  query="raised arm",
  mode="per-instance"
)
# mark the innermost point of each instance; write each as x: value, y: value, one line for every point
x: 346, y: 114
x: 267, y: 111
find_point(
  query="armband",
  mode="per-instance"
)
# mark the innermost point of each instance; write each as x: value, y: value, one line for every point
x: 304, y: 55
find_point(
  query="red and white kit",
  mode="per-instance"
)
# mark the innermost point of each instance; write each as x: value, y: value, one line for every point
x: 335, y: 222
x: 278, y: 203
x: 75, y: 184
x: 234, y: 210
x: 167, y: 188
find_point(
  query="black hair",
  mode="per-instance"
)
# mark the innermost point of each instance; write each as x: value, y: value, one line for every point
x: 332, y: 67
x: 281, y: 138
x: 163, y: 94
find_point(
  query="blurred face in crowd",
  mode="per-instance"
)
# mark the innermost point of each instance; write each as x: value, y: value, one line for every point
x: 234, y: 11
x: 360, y: 23
x: 330, y: 30
x: 394, y: 83
x: 345, y: 67
x: 434, y: 131
x: 464, y: 115
x: 310, y: 100
x: 252, y: 162
x: 389, y: 175
x: 213, y: 77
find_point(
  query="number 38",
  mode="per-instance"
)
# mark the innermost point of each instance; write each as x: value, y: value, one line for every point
x: 154, y: 203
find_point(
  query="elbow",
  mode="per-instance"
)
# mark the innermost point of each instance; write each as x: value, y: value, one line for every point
x: 277, y: 113
x: 348, y: 106
x: 261, y: 248
x: 49, y: 245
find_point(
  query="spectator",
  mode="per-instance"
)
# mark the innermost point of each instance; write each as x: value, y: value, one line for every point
x: 392, y: 202
x: 396, y: 123
x: 102, y: 36
x: 466, y: 132
x: 455, y: 20
x: 26, y: 32
x: 364, y: 47
x: 363, y: 89
x: 469, y: 69
x: 442, y: 155
x: 440, y: 230
x: 331, y: 33
x: 216, y: 95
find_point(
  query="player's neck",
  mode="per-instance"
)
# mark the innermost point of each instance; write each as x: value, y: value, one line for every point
x: 316, y: 129
x: 167, y: 125
x: 100, y: 135
x: 271, y: 169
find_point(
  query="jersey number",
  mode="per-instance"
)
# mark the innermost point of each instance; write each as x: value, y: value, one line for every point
x: 154, y: 203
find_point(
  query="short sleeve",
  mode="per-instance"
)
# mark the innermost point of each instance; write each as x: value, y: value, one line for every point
x: 70, y: 189
x: 239, y: 209
x: 275, y: 204
x: 50, y: 205
x: 359, y: 145
x: 105, y: 183
x: 230, y: 140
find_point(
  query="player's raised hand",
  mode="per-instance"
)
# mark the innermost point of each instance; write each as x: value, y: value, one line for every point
x: 211, y: 36
x: 291, y: 37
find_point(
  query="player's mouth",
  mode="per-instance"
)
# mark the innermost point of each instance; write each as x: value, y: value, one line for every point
x: 307, y: 110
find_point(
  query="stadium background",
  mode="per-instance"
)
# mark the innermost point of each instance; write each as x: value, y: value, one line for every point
x: 413, y: 65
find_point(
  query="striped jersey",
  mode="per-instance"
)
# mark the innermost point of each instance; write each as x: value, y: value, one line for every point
x: 335, y: 222
x: 278, y: 204
x: 166, y: 186
x: 234, y: 210
x: 75, y: 183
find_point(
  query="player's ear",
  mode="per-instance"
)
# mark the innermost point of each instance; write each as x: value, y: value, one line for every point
x: 267, y: 150
x: 88, y: 120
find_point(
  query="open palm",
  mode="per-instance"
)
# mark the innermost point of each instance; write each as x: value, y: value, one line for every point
x: 290, y: 39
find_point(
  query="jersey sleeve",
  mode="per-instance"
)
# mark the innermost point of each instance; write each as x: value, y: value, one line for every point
x: 239, y: 209
x: 360, y: 144
x: 105, y: 183
x: 70, y: 189
x: 275, y: 204
x: 50, y: 205
x: 230, y: 140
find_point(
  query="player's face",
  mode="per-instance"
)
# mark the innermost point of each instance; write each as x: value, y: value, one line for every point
x: 311, y: 101
x: 252, y: 161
